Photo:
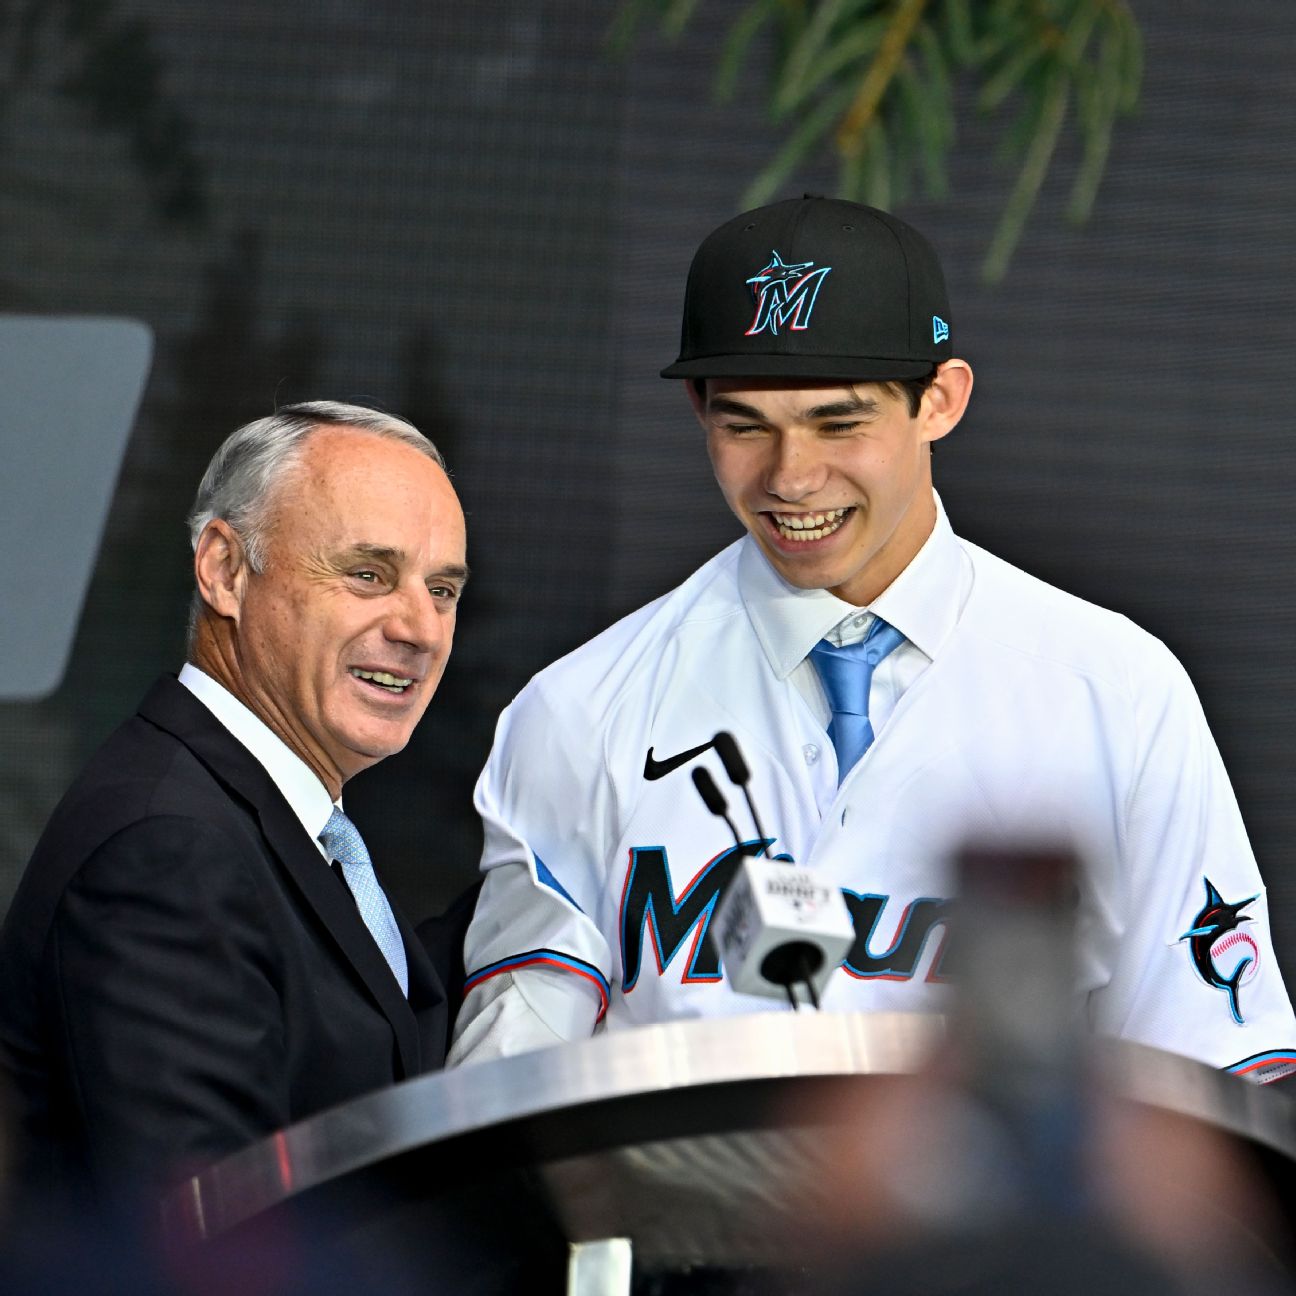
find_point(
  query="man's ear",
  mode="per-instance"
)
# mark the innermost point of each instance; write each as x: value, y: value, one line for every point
x: 946, y: 399
x: 221, y: 568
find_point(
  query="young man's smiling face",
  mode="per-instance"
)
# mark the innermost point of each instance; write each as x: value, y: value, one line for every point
x: 832, y: 480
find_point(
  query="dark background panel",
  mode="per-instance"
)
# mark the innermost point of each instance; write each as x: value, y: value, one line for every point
x: 478, y: 217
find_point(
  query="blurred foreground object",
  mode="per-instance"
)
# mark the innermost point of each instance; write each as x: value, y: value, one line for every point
x: 1016, y: 1160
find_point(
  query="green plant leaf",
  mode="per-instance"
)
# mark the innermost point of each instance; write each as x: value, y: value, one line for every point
x: 797, y: 147
x: 877, y: 167
x: 803, y: 52
x: 959, y: 31
x: 875, y: 84
x: 625, y: 24
x: 925, y: 129
x: 888, y: 106
x: 940, y: 87
x: 1009, y: 77
x: 737, y: 43
x: 1078, y: 32
x: 861, y: 42
x: 850, y: 176
x: 1131, y: 58
x: 1097, y: 110
x: 677, y: 15
x: 1021, y: 200
x: 996, y: 33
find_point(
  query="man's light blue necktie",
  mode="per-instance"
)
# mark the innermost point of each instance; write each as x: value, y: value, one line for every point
x: 847, y: 674
x: 342, y: 842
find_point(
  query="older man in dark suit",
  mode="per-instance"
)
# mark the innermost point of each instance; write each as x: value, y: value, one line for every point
x: 200, y: 951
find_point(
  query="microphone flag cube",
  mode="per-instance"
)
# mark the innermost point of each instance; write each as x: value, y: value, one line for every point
x: 779, y: 925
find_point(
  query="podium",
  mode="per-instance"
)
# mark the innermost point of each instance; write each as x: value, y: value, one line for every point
x: 679, y: 1145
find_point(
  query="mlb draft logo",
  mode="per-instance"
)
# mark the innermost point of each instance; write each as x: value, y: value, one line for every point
x: 785, y: 294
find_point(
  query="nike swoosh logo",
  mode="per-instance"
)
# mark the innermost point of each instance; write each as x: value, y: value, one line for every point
x: 655, y: 769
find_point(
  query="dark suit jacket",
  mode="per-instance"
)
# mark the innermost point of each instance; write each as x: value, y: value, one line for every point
x: 181, y: 972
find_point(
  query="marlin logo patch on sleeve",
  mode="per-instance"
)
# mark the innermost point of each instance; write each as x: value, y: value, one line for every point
x: 785, y: 294
x: 1224, y: 956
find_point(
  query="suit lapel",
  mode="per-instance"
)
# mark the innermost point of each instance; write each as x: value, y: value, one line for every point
x: 333, y: 904
x: 171, y: 706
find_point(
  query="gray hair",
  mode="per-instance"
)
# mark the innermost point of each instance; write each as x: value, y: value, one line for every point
x: 241, y: 479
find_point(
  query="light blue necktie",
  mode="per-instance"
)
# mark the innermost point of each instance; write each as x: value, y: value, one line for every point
x: 847, y: 674
x: 342, y: 842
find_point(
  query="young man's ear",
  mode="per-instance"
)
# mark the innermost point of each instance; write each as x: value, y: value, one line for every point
x: 946, y: 400
x: 221, y: 568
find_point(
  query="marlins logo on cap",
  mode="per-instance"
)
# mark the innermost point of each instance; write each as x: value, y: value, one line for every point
x: 785, y: 294
x: 843, y: 292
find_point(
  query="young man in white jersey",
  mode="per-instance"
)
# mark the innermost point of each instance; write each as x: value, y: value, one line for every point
x: 817, y: 356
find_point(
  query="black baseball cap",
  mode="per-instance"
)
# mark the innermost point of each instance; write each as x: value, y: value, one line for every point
x: 814, y: 288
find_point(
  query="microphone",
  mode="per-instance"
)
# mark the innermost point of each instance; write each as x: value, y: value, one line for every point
x: 777, y: 926
x: 726, y: 747
x: 714, y: 800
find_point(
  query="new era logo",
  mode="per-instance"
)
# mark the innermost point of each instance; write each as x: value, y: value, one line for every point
x: 940, y: 330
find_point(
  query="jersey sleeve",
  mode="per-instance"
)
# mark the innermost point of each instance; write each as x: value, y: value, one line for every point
x: 538, y: 968
x: 1194, y: 971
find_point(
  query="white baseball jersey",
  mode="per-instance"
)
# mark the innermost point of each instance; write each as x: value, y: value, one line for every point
x: 1022, y: 713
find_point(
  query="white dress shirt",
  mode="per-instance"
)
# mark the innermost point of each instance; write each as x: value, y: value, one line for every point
x: 924, y: 603
x: 299, y: 784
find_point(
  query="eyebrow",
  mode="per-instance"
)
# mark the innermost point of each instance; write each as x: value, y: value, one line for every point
x: 814, y: 413
x: 725, y: 405
x: 455, y: 571
x: 389, y: 554
x: 379, y: 553
x: 840, y: 409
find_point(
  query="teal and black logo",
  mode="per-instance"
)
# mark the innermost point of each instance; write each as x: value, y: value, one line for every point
x: 785, y: 295
x: 658, y: 924
x: 1215, y: 942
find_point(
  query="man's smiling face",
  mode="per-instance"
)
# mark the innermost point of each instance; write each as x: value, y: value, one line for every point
x: 343, y: 637
x: 833, y: 481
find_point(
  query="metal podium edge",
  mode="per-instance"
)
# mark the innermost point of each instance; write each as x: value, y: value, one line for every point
x: 669, y: 1056
x: 445, y: 1104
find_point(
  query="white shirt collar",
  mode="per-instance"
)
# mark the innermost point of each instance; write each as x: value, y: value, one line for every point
x: 299, y: 784
x: 923, y: 602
